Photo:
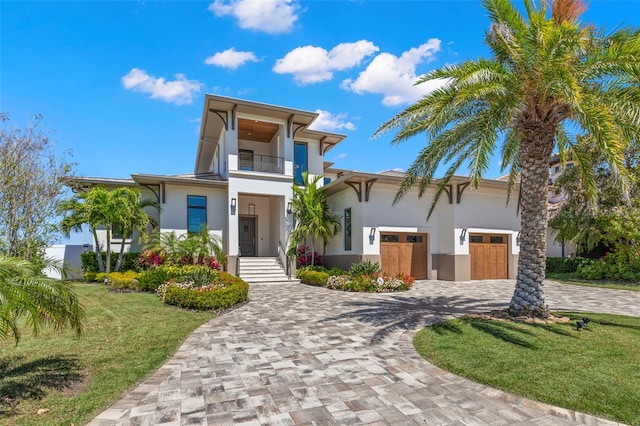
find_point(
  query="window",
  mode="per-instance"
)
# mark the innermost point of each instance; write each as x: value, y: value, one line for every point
x: 556, y: 169
x: 496, y: 240
x: 414, y: 238
x: 569, y: 165
x: 389, y: 238
x: 475, y: 238
x: 326, y: 180
x: 245, y: 161
x: 347, y: 229
x: 196, y: 213
x: 300, y: 161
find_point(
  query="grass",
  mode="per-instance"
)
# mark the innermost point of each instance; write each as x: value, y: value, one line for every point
x: 570, y: 278
x: 128, y: 337
x: 594, y: 370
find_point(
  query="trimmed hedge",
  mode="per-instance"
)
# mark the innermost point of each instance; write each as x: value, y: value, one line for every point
x: 223, y: 294
x: 623, y: 266
x: 566, y: 265
x: 119, y: 280
x: 151, y: 279
x: 90, y: 261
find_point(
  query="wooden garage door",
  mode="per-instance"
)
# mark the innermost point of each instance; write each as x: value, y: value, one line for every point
x: 404, y: 252
x: 488, y: 256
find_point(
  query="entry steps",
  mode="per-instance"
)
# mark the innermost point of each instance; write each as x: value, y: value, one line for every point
x: 263, y: 270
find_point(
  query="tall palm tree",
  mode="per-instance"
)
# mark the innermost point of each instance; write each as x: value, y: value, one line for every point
x: 26, y: 294
x: 132, y: 216
x: 550, y: 79
x: 312, y: 216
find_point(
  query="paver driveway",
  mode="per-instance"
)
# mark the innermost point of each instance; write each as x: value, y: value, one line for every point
x: 297, y: 354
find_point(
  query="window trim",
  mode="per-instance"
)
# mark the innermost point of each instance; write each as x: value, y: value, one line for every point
x: 348, y: 246
x: 189, y: 207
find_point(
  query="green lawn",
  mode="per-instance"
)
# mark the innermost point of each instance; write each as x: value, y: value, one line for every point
x: 596, y: 370
x: 128, y: 337
x: 573, y: 280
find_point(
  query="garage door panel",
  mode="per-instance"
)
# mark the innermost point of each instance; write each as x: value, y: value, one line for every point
x: 406, y: 253
x: 488, y: 259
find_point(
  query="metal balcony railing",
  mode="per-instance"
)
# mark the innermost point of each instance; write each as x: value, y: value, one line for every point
x: 261, y: 163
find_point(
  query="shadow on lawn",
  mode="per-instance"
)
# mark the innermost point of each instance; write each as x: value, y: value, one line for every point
x: 21, y: 380
x: 411, y: 313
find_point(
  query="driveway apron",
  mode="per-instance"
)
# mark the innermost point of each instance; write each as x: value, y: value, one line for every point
x: 297, y: 354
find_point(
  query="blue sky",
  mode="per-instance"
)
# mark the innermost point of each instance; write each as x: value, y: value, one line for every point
x: 122, y: 83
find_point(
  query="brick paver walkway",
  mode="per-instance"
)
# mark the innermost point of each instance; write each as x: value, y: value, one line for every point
x: 297, y: 354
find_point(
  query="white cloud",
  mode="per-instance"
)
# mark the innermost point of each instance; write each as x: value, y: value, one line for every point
x: 394, y: 77
x: 269, y: 16
x: 230, y: 59
x: 179, y: 91
x: 331, y: 122
x: 340, y: 156
x: 311, y: 64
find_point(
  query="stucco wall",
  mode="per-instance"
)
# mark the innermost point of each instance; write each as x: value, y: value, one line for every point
x: 174, y: 210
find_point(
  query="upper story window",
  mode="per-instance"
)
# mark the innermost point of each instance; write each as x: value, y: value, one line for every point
x: 300, y: 161
x: 327, y: 180
x: 196, y: 213
x: 245, y: 159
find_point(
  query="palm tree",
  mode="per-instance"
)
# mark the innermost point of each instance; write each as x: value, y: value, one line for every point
x: 26, y: 294
x: 312, y: 216
x: 549, y: 80
x: 86, y: 208
x: 132, y: 216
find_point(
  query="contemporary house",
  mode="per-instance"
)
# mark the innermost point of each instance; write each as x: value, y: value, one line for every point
x: 250, y: 154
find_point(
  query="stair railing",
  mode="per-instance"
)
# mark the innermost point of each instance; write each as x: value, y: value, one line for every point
x: 282, y: 251
x: 238, y: 262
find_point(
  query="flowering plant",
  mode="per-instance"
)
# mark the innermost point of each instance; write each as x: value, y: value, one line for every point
x: 304, y: 258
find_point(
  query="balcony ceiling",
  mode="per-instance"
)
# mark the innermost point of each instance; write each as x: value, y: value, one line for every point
x: 254, y: 130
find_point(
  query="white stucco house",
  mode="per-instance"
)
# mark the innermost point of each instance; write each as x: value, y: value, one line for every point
x: 250, y: 154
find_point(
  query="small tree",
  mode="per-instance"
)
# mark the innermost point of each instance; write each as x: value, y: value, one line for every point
x: 31, y: 189
x: 26, y: 294
x: 312, y: 216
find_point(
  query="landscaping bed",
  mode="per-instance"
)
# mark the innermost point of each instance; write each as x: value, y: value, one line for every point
x: 592, y: 370
x: 362, y: 277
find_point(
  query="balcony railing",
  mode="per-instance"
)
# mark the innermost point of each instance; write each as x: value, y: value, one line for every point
x: 261, y: 163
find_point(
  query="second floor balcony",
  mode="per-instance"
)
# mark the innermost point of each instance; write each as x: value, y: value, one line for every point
x: 250, y: 161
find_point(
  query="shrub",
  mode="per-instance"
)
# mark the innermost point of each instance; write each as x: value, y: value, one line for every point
x: 120, y: 280
x: 566, y: 265
x: 149, y: 259
x: 365, y: 267
x: 151, y: 279
x: 623, y: 265
x: 377, y: 283
x: 90, y: 261
x: 309, y: 276
x: 304, y: 258
x: 225, y: 292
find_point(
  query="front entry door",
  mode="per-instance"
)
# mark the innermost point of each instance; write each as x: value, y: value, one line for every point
x: 247, y: 236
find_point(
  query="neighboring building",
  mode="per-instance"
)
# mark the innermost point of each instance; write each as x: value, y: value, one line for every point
x: 248, y: 156
x: 555, y: 202
x: 67, y: 259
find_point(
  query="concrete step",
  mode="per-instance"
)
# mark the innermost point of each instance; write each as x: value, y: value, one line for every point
x: 273, y: 280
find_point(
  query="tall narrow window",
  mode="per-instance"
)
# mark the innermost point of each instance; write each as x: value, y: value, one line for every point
x: 196, y: 213
x: 300, y: 161
x: 347, y: 229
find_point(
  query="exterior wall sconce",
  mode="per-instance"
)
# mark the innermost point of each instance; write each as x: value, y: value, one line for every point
x: 252, y: 209
x: 289, y: 207
x: 234, y: 203
x: 518, y: 239
x: 372, y: 235
x: 463, y: 235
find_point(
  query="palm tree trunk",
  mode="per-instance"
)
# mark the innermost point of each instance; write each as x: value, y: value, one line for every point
x: 97, y: 250
x: 120, y: 255
x: 528, y: 297
x: 108, y: 250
